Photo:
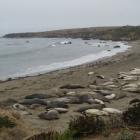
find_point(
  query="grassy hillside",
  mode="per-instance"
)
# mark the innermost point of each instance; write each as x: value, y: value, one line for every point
x: 126, y: 33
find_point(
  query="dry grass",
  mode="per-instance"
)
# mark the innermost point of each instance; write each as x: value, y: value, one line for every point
x: 18, y: 131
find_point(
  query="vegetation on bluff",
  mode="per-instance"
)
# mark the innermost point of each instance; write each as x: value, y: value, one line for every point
x: 125, y: 33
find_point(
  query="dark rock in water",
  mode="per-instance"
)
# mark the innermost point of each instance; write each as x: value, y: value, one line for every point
x: 86, y: 38
x: 37, y: 96
x: 56, y: 104
x: 72, y: 86
x: 116, y: 46
x: 33, y: 101
x: 27, y: 41
x: 86, y: 107
x: 9, y: 79
x: 8, y: 102
x: 49, y: 115
x: 65, y: 42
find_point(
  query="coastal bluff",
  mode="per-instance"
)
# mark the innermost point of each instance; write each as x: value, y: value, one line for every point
x: 118, y: 33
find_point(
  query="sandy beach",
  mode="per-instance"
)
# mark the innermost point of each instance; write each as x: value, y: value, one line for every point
x: 50, y: 83
x: 69, y: 70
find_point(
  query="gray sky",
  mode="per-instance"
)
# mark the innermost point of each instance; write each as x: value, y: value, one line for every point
x: 41, y: 15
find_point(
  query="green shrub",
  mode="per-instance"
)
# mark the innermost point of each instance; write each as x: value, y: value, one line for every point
x: 132, y: 115
x: 85, y: 125
x: 6, y: 122
x: 52, y: 135
x: 67, y: 135
x: 125, y: 134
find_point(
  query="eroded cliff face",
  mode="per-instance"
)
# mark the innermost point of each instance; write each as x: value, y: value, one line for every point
x: 125, y: 33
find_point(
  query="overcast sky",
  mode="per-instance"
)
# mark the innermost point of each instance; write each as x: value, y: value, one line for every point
x: 41, y: 15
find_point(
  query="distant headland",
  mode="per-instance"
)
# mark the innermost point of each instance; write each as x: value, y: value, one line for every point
x: 122, y: 33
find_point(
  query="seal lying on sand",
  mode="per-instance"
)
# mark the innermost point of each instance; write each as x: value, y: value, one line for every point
x: 33, y: 101
x: 72, y: 86
x: 86, y: 107
x: 37, y: 96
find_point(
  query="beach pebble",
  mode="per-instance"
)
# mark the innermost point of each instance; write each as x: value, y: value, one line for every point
x: 96, y: 112
x: 112, y: 111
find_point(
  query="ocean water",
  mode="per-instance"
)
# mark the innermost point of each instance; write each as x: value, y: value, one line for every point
x: 22, y: 57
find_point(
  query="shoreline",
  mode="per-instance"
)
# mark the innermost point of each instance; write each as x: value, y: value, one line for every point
x: 73, y: 66
x: 50, y: 83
